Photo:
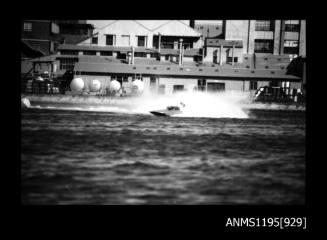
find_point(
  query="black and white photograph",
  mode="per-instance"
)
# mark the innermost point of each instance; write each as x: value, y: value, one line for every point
x: 163, y: 112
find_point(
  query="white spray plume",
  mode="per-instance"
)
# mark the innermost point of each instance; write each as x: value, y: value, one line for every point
x: 197, y: 104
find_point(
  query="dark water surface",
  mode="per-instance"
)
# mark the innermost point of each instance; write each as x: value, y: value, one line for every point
x: 76, y: 157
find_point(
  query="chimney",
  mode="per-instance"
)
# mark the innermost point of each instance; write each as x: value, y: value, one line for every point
x: 192, y: 23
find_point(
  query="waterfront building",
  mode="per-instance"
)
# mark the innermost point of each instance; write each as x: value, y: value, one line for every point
x: 170, y: 56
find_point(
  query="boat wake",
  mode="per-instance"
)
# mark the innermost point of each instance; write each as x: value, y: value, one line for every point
x: 196, y: 104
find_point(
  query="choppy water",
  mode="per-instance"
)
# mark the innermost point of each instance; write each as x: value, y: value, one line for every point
x: 78, y: 157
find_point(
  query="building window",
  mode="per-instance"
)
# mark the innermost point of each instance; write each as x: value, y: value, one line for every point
x: 178, y: 88
x: 263, y: 46
x: 27, y: 27
x: 229, y: 59
x: 167, y: 57
x: 139, y: 54
x: 253, y: 85
x: 110, y: 40
x: 264, y: 25
x: 68, y: 52
x: 125, y: 78
x: 154, y: 55
x: 291, y: 46
x: 94, y: 40
x: 153, y: 80
x: 215, y: 87
x: 106, y: 53
x: 67, y: 63
x: 292, y: 25
x: 141, y: 41
x: 89, y: 52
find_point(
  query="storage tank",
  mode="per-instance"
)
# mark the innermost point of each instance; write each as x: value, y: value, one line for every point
x: 95, y: 85
x: 114, y: 86
x: 25, y: 103
x: 77, y: 84
x: 138, y: 86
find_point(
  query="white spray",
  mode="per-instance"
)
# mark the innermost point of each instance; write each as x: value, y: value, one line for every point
x: 197, y: 104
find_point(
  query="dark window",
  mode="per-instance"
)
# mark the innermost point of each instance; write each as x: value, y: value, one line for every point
x: 110, y: 40
x: 121, y: 55
x: 263, y: 46
x: 67, y: 63
x: 106, y: 53
x: 229, y: 59
x: 264, y: 25
x: 139, y: 54
x: 141, y: 41
x: 273, y: 84
x: 27, y: 26
x: 68, y: 52
x: 215, y: 87
x: 291, y: 47
x: 292, y: 26
x: 177, y: 88
x: 202, y: 84
x: 167, y: 57
x: 89, y: 53
x: 153, y: 82
x: 253, y: 85
x: 154, y: 55
x: 95, y: 40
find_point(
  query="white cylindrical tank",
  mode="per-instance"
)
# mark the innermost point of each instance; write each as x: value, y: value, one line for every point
x: 114, y: 86
x: 95, y: 85
x: 25, y: 103
x: 138, y: 85
x: 77, y: 84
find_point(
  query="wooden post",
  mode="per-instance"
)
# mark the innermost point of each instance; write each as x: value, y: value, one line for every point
x: 159, y: 42
x: 180, y: 51
x: 132, y: 55
x: 233, y: 55
x: 221, y: 55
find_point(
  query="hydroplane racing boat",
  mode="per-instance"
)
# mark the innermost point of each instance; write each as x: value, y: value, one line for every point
x: 169, y: 111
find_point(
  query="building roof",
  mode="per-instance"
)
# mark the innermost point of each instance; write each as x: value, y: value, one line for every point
x: 176, y: 70
x: 33, y: 45
x: 92, y: 47
x: 187, y: 52
x: 215, y: 42
x: 176, y: 28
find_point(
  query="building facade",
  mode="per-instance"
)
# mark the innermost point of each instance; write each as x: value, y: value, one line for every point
x: 170, y: 56
x: 276, y: 37
x: 40, y: 35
